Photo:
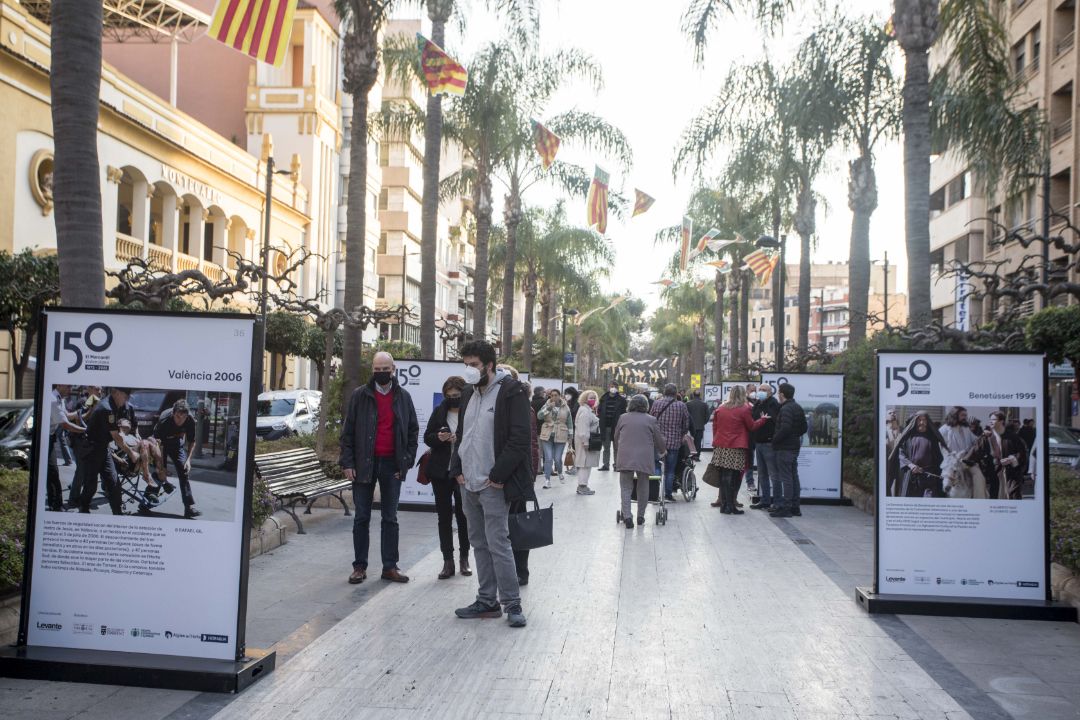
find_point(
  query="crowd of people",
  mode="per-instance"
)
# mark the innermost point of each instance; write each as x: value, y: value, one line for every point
x: 492, y: 436
x: 95, y: 432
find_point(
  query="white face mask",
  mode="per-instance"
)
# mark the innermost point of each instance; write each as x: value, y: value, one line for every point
x: 471, y: 375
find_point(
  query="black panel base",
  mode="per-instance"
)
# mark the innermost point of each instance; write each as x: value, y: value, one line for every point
x: 169, y: 672
x: 840, y: 501
x: 995, y: 609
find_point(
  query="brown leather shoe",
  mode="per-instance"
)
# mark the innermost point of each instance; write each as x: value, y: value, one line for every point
x: 447, y: 570
x: 357, y: 577
x: 394, y: 575
x: 465, y: 565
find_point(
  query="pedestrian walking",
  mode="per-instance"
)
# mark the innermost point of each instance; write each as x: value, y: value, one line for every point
x: 699, y: 417
x: 556, y: 425
x: 751, y: 393
x: 733, y: 422
x: 791, y: 425
x: 572, y: 401
x: 674, y: 422
x: 440, y: 437
x: 612, y: 407
x: 379, y: 438
x: 585, y: 424
x: 638, y: 443
x: 491, y: 462
x: 768, y: 481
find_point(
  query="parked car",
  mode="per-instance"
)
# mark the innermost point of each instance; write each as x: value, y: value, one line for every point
x: 149, y: 404
x: 16, y: 428
x: 1064, y: 447
x: 281, y: 413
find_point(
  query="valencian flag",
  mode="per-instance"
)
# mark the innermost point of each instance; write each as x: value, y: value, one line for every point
x: 706, y: 239
x: 642, y: 202
x: 259, y: 28
x: 444, y: 75
x: 547, y: 143
x: 598, y: 200
x: 717, y: 263
x: 758, y: 262
x: 767, y: 275
x: 685, y: 233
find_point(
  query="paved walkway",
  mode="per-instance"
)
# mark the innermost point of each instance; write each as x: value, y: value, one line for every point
x: 709, y: 616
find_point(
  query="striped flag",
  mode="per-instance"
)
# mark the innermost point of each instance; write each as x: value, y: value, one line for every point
x: 706, y: 239
x: 718, y: 263
x: 642, y: 202
x: 757, y: 261
x: 598, y: 200
x: 444, y: 75
x: 259, y: 28
x: 547, y: 143
x: 767, y: 275
x: 685, y: 233
x: 717, y: 245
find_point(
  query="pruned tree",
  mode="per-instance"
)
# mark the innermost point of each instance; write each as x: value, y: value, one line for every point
x: 28, y: 284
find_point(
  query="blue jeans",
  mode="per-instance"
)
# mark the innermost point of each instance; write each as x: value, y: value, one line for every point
x: 363, y: 496
x: 671, y: 459
x: 787, y: 468
x: 553, y: 455
x: 768, y: 480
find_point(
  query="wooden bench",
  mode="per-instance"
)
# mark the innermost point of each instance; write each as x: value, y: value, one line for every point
x: 296, y: 477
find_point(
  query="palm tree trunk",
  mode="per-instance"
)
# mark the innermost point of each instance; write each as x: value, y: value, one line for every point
x: 324, y: 384
x: 744, y: 318
x: 482, y: 211
x: 355, y: 239
x: 778, y: 280
x: 553, y: 304
x: 512, y: 216
x: 804, y: 225
x: 527, y: 335
x: 916, y: 123
x: 75, y: 82
x: 733, y: 330
x: 862, y: 199
x: 438, y: 12
x: 718, y: 322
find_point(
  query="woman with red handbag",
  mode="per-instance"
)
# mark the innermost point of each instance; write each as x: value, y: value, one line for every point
x: 440, y: 437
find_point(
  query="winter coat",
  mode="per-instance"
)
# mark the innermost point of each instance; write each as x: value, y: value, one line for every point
x: 585, y: 424
x: 638, y: 442
x: 790, y: 426
x: 555, y: 421
x: 699, y: 414
x: 731, y: 427
x: 770, y: 407
x: 358, y: 431
x: 610, y: 404
x: 438, y: 466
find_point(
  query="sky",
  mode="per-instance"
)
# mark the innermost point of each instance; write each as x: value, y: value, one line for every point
x: 652, y: 90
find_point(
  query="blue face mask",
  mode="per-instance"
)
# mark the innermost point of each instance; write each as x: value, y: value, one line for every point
x: 761, y: 395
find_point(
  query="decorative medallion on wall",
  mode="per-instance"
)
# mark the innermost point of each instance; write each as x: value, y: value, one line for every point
x: 41, y: 180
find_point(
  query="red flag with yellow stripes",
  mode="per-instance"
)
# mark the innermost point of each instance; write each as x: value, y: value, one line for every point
x: 598, y: 200
x: 758, y: 262
x: 642, y: 202
x: 547, y: 143
x: 767, y: 275
x: 259, y: 28
x: 444, y: 75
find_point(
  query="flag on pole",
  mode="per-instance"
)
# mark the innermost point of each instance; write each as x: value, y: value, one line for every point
x: 757, y: 261
x: 706, y: 239
x: 618, y: 301
x: 642, y: 202
x: 259, y: 28
x: 717, y: 245
x: 598, y: 200
x: 547, y: 143
x: 444, y: 75
x: 684, y: 251
x: 718, y: 263
x: 767, y: 275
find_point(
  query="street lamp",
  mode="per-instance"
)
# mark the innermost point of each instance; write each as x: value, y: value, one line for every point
x: 268, y: 150
x: 767, y: 241
x: 566, y: 313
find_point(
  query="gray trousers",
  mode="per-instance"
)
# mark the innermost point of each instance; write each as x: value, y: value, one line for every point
x: 626, y: 484
x: 487, y: 513
x: 768, y: 478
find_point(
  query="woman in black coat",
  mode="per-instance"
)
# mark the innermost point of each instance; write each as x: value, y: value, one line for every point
x: 441, y: 439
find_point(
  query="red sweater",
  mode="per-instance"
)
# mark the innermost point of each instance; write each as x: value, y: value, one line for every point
x: 384, y: 424
x: 732, y: 427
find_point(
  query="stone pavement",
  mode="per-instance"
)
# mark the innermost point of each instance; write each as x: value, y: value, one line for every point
x: 710, y: 616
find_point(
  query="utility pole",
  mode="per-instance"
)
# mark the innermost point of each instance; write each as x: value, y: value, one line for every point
x: 821, y: 319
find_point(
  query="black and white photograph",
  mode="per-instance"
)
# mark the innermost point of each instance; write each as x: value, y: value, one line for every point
x: 149, y: 452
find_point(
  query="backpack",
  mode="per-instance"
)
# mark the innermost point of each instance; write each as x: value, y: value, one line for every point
x: 801, y: 427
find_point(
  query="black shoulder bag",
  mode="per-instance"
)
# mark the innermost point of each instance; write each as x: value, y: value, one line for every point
x: 532, y: 529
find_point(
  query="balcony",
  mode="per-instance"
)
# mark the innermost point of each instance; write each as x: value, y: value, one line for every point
x: 129, y: 248
x: 1061, y: 130
x: 1064, y: 45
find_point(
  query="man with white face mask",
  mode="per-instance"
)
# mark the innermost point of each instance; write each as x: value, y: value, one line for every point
x: 493, y: 464
x: 612, y: 407
x: 768, y: 480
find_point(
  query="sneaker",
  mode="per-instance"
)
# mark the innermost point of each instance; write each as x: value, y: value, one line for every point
x: 761, y: 506
x: 796, y: 512
x: 629, y: 523
x: 585, y: 490
x: 190, y: 512
x: 515, y: 617
x: 547, y: 484
x: 479, y: 610
x: 562, y: 480
x: 168, y: 487
x: 523, y: 580
x: 669, y: 498
x: 780, y: 513
x: 605, y: 468
x: 640, y: 519
x: 572, y: 471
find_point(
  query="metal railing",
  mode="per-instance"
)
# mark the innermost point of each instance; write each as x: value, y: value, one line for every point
x: 1061, y: 129
x: 1064, y: 44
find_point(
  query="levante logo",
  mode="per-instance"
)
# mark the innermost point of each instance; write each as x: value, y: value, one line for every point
x: 909, y: 379
x: 97, y: 338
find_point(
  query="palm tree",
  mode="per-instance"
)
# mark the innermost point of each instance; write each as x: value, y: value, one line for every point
x: 702, y: 16
x: 75, y: 82
x: 363, y: 21
x: 846, y: 63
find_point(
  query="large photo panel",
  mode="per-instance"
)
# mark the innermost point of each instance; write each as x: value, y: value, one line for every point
x: 137, y: 545
x: 960, y: 487
x: 821, y: 456
x: 714, y: 395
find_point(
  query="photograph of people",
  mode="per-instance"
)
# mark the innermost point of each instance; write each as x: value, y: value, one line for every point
x: 1002, y: 457
x: 920, y: 451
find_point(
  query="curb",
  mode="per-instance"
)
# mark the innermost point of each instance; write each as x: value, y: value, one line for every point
x: 859, y: 498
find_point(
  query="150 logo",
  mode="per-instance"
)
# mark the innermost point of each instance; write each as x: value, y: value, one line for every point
x: 97, y: 338
x: 918, y: 371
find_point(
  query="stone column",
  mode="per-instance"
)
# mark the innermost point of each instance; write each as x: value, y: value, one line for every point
x: 169, y: 227
x: 110, y: 199
x: 196, y: 222
x: 141, y: 195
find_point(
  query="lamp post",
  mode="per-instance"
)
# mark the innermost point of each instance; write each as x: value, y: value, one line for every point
x: 767, y: 241
x: 566, y: 313
x: 268, y: 149
x: 821, y: 320
x: 465, y: 312
x: 760, y: 342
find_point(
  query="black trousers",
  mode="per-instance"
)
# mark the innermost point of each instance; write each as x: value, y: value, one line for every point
x: 448, y: 506
x: 54, y: 494
x: 98, y: 462
x: 698, y: 436
x: 176, y: 452
x: 521, y: 557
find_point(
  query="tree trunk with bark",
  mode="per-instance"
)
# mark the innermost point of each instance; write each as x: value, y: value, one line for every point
x: 733, y: 330
x: 862, y: 200
x: 482, y: 210
x: 718, y: 324
x: 512, y: 217
x: 805, y: 210
x: 75, y: 83
x: 744, y: 319
x: 529, y: 330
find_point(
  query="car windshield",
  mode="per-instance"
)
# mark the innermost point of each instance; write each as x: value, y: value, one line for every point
x: 146, y: 400
x: 8, y: 419
x: 276, y: 407
x: 1061, y: 436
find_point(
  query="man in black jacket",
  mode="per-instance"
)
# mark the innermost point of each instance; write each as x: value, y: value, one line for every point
x: 786, y: 442
x: 492, y: 463
x: 612, y: 406
x: 769, y: 485
x: 699, y: 417
x: 379, y: 436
